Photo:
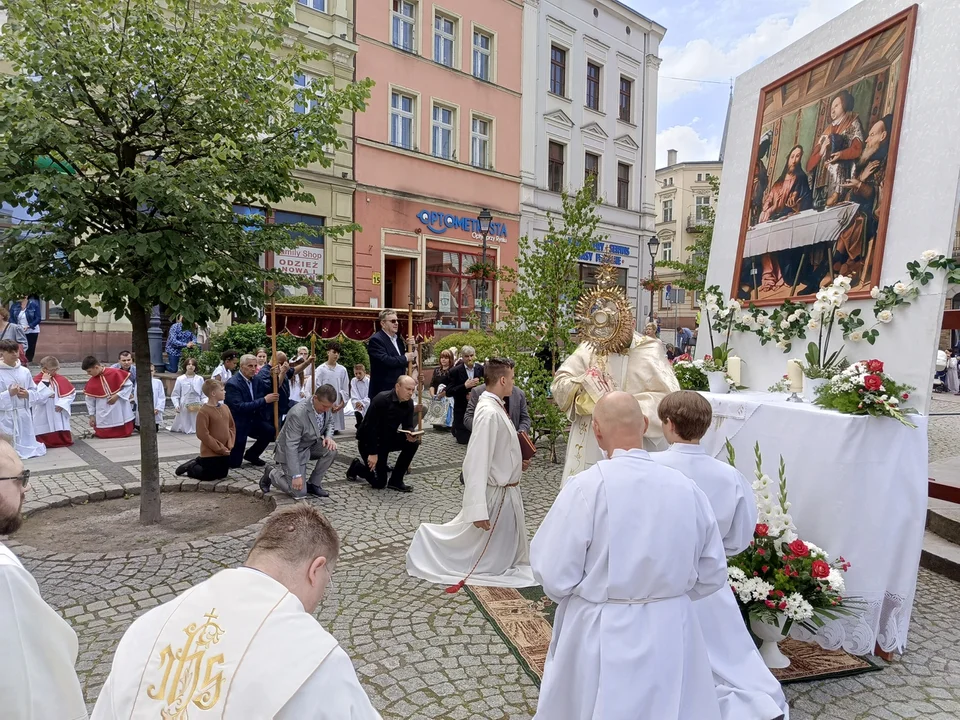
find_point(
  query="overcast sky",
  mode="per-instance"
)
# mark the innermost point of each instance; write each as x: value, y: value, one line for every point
x: 717, y: 40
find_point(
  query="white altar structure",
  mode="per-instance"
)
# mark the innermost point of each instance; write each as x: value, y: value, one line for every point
x: 858, y: 484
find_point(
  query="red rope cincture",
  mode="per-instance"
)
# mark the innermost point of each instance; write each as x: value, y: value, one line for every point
x: 456, y: 588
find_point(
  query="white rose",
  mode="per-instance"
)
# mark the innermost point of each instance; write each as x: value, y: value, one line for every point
x: 885, y: 316
x: 874, y: 292
x: 856, y: 336
x: 792, y: 317
x: 782, y: 344
x: 928, y: 255
x: 900, y: 289
x: 784, y: 325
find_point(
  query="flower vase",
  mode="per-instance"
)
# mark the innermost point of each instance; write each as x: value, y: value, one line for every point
x: 771, y: 637
x: 810, y: 387
x: 718, y: 382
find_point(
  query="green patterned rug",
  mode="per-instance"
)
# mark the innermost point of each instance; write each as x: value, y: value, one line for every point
x: 524, y: 619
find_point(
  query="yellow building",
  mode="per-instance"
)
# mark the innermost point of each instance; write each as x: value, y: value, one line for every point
x: 325, y: 25
x: 684, y: 196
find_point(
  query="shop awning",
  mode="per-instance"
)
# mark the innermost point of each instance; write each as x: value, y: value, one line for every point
x: 355, y: 323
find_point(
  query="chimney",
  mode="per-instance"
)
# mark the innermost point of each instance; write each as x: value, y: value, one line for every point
x: 671, y: 157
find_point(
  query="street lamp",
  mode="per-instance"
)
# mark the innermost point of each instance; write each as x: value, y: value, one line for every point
x: 484, y: 219
x: 653, y: 245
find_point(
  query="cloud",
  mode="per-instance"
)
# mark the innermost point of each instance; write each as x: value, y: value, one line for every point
x: 719, y: 59
x: 688, y: 143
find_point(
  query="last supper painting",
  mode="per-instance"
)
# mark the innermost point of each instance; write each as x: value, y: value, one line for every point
x: 824, y: 159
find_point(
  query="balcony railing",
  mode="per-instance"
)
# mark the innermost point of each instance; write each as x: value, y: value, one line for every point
x: 694, y: 221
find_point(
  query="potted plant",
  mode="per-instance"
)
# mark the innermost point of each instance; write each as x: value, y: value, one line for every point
x: 721, y: 317
x: 820, y: 364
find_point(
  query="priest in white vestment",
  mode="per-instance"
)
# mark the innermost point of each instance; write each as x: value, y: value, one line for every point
x: 486, y: 544
x: 18, y: 395
x: 746, y: 689
x: 38, y: 648
x: 626, y: 549
x: 243, y: 644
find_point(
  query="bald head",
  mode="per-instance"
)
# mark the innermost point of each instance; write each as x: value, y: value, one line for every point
x: 618, y: 422
x: 406, y: 386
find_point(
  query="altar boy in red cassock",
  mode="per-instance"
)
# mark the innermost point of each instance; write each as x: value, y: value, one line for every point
x: 51, y: 413
x: 108, y: 393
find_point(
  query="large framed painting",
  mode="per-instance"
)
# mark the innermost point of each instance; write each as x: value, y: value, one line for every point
x: 824, y: 157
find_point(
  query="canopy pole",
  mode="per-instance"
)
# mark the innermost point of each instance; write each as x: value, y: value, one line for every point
x: 276, y: 365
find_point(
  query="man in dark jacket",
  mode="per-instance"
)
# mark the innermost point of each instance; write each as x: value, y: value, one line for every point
x: 248, y: 401
x: 462, y: 379
x: 284, y: 373
x: 388, y: 357
x: 380, y: 434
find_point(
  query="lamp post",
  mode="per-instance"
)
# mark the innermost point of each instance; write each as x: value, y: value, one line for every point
x: 484, y: 219
x: 653, y: 245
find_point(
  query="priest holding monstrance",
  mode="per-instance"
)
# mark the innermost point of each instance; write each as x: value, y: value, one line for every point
x: 611, y: 356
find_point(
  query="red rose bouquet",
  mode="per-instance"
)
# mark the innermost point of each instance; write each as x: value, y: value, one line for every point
x: 780, y: 575
x: 864, y: 389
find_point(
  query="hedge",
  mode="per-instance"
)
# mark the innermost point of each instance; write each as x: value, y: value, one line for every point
x: 246, y: 338
x: 485, y: 344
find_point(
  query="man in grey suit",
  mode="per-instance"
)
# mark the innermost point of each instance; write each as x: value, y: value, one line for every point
x: 516, y: 406
x: 307, y: 434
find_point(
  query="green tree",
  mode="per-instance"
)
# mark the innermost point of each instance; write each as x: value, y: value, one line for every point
x: 131, y: 128
x: 539, y: 321
x: 693, y: 273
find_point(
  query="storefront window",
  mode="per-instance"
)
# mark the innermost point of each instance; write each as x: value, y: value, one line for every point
x: 453, y: 291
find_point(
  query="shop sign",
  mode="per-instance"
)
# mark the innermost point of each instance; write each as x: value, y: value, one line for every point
x: 438, y: 223
x: 618, y: 253
x: 306, y: 260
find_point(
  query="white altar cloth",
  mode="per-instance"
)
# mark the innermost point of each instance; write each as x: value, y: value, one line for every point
x: 809, y: 227
x: 857, y: 488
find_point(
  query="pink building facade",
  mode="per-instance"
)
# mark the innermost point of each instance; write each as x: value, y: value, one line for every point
x: 439, y: 140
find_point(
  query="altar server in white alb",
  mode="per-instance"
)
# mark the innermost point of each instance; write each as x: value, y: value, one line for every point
x: 624, y: 551
x: 109, y: 397
x: 54, y: 406
x: 18, y: 395
x: 360, y: 392
x: 38, y: 648
x: 746, y: 689
x: 332, y: 373
x: 486, y: 544
x: 244, y: 644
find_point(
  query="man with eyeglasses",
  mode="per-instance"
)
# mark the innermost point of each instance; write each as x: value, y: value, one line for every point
x: 388, y: 355
x: 37, y: 675
x: 262, y: 653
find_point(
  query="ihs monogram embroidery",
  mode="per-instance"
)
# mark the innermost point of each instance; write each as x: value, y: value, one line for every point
x: 183, y: 669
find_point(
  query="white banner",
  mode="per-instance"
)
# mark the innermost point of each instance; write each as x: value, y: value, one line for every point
x: 306, y: 260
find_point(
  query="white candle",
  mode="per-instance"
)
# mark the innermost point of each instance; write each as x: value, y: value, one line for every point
x: 733, y: 369
x: 795, y: 375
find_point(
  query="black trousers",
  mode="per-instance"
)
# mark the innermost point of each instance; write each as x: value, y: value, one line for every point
x: 460, y: 432
x: 210, y: 468
x: 31, y: 345
x: 378, y: 477
x: 263, y: 434
x: 359, y: 417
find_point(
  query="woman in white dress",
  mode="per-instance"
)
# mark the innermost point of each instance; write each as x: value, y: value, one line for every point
x: 330, y: 373
x: 187, y: 398
x: 301, y: 384
x: 953, y: 382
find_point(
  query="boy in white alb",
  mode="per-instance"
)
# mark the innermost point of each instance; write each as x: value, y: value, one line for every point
x: 55, y: 396
x: 746, y: 690
x: 360, y: 392
x: 243, y: 644
x: 18, y: 394
x: 159, y: 397
x: 109, y: 397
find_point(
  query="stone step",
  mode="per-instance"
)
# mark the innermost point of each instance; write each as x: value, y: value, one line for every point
x: 940, y: 556
x: 943, y: 519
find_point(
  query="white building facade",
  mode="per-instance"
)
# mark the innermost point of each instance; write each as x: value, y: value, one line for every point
x: 590, y: 116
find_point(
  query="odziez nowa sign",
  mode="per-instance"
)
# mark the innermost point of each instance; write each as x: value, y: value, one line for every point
x: 306, y: 260
x: 438, y: 223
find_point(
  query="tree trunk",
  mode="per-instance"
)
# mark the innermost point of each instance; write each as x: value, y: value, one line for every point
x: 149, y: 457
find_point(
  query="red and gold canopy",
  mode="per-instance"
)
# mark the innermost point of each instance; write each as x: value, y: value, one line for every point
x: 356, y: 323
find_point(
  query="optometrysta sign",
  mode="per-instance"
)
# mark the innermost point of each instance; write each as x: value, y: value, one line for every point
x: 439, y: 223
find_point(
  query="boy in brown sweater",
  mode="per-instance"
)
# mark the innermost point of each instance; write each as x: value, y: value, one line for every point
x: 217, y: 434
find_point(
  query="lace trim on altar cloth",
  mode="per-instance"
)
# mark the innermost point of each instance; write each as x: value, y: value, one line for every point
x: 882, y: 622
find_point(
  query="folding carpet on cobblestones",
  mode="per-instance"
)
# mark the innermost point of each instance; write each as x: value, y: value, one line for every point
x: 524, y: 619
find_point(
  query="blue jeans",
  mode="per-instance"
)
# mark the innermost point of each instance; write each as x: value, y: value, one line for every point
x: 173, y: 362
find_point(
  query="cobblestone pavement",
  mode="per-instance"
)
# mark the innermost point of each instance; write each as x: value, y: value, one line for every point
x: 419, y: 652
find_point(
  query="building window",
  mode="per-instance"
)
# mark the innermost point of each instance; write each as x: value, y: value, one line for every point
x: 668, y: 211
x: 588, y: 276
x: 480, y: 143
x: 677, y: 296
x: 302, y: 81
x: 482, y: 45
x: 320, y: 5
x: 668, y: 182
x: 442, y: 146
x: 555, y: 167
x: 558, y: 71
x: 699, y: 177
x: 281, y: 217
x: 626, y: 98
x: 623, y: 185
x: 453, y: 291
x: 444, y: 40
x: 703, y: 207
x: 593, y: 86
x: 666, y: 251
x: 591, y: 173
x: 401, y: 120
x: 404, y: 24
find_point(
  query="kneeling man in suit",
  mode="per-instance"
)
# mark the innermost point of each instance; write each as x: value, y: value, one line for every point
x: 307, y: 434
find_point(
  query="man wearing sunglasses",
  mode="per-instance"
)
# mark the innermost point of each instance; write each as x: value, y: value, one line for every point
x: 37, y: 675
x: 388, y: 354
